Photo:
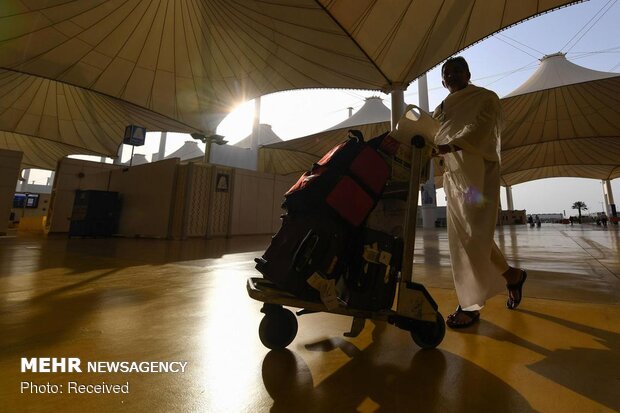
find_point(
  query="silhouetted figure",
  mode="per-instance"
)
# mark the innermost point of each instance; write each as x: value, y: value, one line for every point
x: 468, y: 140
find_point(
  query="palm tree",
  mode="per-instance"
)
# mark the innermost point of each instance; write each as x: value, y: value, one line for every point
x: 579, y: 205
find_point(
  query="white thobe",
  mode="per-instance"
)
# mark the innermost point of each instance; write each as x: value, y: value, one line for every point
x: 471, y: 119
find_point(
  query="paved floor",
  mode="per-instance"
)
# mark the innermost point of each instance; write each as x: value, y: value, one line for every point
x: 151, y: 300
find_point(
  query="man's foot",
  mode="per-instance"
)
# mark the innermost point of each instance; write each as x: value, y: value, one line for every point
x: 461, y: 318
x: 515, y: 291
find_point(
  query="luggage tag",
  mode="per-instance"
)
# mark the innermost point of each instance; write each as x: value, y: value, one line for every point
x: 385, y: 258
x: 372, y: 253
x: 326, y: 289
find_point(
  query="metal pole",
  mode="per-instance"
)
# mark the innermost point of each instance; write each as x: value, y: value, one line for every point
x: 162, y: 146
x: 119, y: 155
x: 423, y: 93
x: 26, y: 176
x: 411, y: 213
x: 511, y: 206
x: 398, y: 106
x: 610, y: 199
x: 254, y: 140
x: 207, y: 150
x: 429, y: 192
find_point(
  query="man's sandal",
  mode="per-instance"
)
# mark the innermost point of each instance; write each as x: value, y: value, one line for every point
x: 513, y: 303
x: 451, y: 322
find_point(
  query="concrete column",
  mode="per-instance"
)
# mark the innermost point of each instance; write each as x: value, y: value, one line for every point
x: 255, y: 137
x: 609, y: 199
x: 50, y: 180
x: 423, y: 93
x: 429, y: 201
x: 511, y: 205
x: 119, y: 155
x: 162, y: 146
x: 26, y: 177
x: 398, y: 106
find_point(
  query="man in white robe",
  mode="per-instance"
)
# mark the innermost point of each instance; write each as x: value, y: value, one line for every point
x: 469, y: 141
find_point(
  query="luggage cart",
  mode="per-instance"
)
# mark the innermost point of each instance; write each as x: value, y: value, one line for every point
x: 416, y: 311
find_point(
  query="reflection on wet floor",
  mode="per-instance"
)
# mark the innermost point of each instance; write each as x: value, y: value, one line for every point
x: 140, y: 299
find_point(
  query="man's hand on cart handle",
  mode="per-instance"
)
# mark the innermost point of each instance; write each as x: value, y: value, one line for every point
x: 444, y: 149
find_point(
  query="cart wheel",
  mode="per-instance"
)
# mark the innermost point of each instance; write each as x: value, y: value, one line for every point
x: 278, y: 328
x: 426, y: 334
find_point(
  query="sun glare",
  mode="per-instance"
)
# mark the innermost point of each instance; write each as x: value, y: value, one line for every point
x: 238, y: 124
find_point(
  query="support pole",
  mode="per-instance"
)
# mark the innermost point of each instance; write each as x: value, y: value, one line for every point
x: 398, y: 106
x: 207, y: 142
x: 609, y: 199
x: 255, y: 139
x: 119, y: 155
x: 26, y: 176
x: 162, y: 146
x: 423, y: 93
x: 511, y: 206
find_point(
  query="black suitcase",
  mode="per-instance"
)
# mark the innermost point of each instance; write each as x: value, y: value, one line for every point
x: 370, y: 280
x: 304, y: 245
x: 95, y: 213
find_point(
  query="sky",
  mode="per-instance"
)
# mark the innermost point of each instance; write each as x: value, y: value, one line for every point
x: 588, y: 32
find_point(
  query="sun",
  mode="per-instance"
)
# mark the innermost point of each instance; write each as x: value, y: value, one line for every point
x: 238, y: 124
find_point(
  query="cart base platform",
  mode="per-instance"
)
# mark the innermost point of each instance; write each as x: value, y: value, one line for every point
x: 279, y: 325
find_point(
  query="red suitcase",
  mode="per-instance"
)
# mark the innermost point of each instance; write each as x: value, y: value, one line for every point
x: 348, y: 181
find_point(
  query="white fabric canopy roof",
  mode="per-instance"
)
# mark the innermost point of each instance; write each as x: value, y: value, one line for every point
x: 563, y: 121
x: 188, y: 62
x: 296, y: 155
x: 564, y: 129
x: 42, y: 114
x: 372, y: 111
x: 189, y: 150
x: 266, y: 136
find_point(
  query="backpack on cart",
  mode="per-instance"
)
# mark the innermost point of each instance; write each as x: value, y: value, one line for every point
x: 325, y: 210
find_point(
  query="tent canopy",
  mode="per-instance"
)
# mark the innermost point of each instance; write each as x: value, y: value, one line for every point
x: 266, y: 136
x: 296, y: 155
x: 372, y: 111
x: 552, y: 128
x: 189, y: 150
x: 563, y: 121
x: 189, y: 62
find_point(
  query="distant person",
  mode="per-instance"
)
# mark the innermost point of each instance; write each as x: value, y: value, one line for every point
x: 604, y: 219
x: 570, y: 219
x: 537, y: 220
x: 530, y: 221
x: 469, y: 142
